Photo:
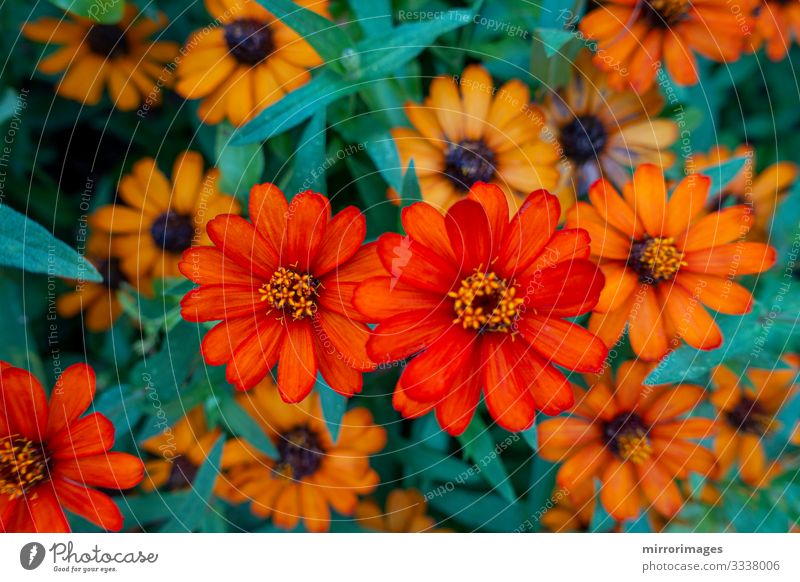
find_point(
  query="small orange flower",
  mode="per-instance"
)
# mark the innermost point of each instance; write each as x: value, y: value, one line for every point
x: 603, y: 133
x: 746, y: 417
x: 118, y: 56
x: 763, y: 191
x: 572, y: 511
x: 633, y: 439
x: 161, y: 219
x: 51, y: 458
x: 777, y: 22
x: 467, y: 131
x: 249, y: 62
x: 406, y: 512
x: 311, y: 474
x: 635, y: 36
x: 99, y: 301
x: 481, y: 301
x: 661, y: 257
x: 282, y: 287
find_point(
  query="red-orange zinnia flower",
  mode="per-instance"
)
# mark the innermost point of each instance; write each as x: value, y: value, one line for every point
x: 281, y: 286
x: 481, y: 300
x: 634, y: 37
x: 662, y: 259
x: 50, y: 457
x: 631, y: 437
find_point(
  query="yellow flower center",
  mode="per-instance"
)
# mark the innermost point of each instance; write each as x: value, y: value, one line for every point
x: 23, y: 465
x: 485, y: 302
x: 634, y: 447
x: 292, y: 292
x: 655, y: 259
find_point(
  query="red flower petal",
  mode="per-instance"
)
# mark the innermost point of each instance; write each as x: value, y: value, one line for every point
x: 428, y: 377
x: 208, y: 266
x: 406, y: 406
x: 565, y: 343
x: 307, y: 222
x: 468, y: 229
x: 215, y: 302
x: 23, y: 404
x: 456, y: 409
x: 407, y: 333
x: 494, y: 202
x: 379, y: 298
x: 409, y: 261
x: 268, y: 211
x: 530, y: 230
x: 71, y: 397
x: 551, y: 390
x: 91, y: 435
x: 37, y: 512
x: 297, y: 366
x: 508, y: 399
x: 566, y: 245
x: 255, y: 355
x: 425, y: 225
x: 222, y: 340
x: 339, y: 376
x: 240, y: 242
x: 91, y: 504
x: 566, y: 289
x: 109, y: 470
x: 348, y: 337
x: 342, y: 239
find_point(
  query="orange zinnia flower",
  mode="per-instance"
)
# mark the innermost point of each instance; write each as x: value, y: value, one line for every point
x: 118, y: 56
x: 282, y: 286
x: 634, y: 36
x: 776, y: 23
x: 51, y: 458
x: 632, y: 438
x: 604, y: 133
x: 659, y: 259
x: 761, y: 191
x: 467, y: 131
x: 746, y: 417
x: 482, y: 301
x: 311, y: 473
x: 406, y: 512
x: 99, y: 301
x: 246, y: 64
x: 159, y: 219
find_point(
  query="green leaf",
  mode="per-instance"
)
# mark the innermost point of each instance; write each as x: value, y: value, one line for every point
x: 553, y: 39
x: 18, y: 346
x: 241, y: 424
x: 105, y: 11
x: 722, y: 174
x: 189, y: 513
x: 411, y: 191
x: 326, y: 37
x: 486, y: 455
x: 374, y: 16
x: 308, y: 170
x: 240, y: 166
x: 27, y: 245
x: 334, y: 406
x: 8, y: 104
x: 479, y: 510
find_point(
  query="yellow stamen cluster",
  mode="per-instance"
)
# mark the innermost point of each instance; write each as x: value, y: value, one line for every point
x: 291, y: 291
x: 22, y: 465
x: 657, y: 258
x: 634, y: 446
x: 485, y: 302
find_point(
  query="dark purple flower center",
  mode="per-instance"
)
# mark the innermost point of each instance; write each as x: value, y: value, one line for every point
x: 249, y: 41
x: 107, y: 40
x: 583, y: 138
x: 468, y: 162
x: 299, y: 453
x: 172, y: 232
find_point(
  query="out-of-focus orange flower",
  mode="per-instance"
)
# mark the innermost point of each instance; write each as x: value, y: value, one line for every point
x: 573, y: 510
x: 160, y: 219
x: 663, y: 258
x: 777, y: 23
x: 604, y: 133
x: 311, y: 474
x: 406, y: 512
x: 467, y: 131
x: 52, y: 457
x: 746, y: 417
x: 117, y: 56
x: 634, y: 37
x: 247, y: 63
x: 481, y: 301
x: 282, y: 286
x: 633, y: 438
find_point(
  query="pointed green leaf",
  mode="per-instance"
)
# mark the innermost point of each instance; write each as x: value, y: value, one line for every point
x: 240, y: 166
x: 487, y: 456
x: 108, y: 12
x: 334, y: 406
x: 308, y: 169
x: 240, y: 423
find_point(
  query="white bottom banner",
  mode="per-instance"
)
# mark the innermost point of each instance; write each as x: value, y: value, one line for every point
x: 365, y: 557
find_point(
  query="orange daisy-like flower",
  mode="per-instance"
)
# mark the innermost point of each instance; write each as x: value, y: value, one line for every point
x: 761, y: 191
x: 246, y: 64
x: 481, y: 301
x: 603, y: 133
x: 777, y: 22
x: 117, y: 56
x: 660, y: 258
x: 746, y: 417
x: 311, y: 474
x: 51, y: 458
x: 282, y: 287
x: 99, y: 301
x: 634, y: 37
x: 632, y: 438
x: 161, y: 219
x: 467, y: 131
x: 406, y: 512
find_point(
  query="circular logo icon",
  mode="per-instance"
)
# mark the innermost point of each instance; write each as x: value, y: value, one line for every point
x: 31, y: 555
